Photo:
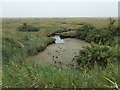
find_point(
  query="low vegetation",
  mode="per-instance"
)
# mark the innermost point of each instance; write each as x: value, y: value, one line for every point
x: 69, y: 34
x: 91, y: 33
x: 104, y: 45
x: 31, y: 74
x: 29, y: 28
x: 94, y: 54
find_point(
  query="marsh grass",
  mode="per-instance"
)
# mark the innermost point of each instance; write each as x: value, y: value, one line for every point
x: 27, y: 28
x: 69, y: 34
x: 31, y: 74
x: 23, y: 45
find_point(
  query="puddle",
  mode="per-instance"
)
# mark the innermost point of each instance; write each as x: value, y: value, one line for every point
x: 60, y: 55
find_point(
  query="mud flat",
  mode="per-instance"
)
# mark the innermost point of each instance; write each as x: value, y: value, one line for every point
x: 60, y: 54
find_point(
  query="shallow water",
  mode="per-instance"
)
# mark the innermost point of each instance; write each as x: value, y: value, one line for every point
x: 58, y: 39
x: 60, y: 55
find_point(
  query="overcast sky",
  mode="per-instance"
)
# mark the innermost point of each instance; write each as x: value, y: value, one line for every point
x: 72, y: 8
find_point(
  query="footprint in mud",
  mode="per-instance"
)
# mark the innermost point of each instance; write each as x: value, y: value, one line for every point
x: 56, y: 56
x: 53, y: 57
x: 54, y: 62
x: 70, y: 66
x: 49, y: 53
x: 58, y: 63
x: 59, y: 47
x: 56, y: 51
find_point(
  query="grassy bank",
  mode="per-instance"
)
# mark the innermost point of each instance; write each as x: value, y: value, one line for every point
x: 28, y: 45
x: 30, y: 74
x: 69, y: 34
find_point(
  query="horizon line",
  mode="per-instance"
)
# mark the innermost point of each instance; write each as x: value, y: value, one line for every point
x: 66, y: 17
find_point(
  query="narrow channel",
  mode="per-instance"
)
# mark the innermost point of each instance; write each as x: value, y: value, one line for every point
x: 58, y: 39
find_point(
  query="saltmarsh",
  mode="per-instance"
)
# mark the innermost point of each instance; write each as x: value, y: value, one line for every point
x: 17, y: 46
